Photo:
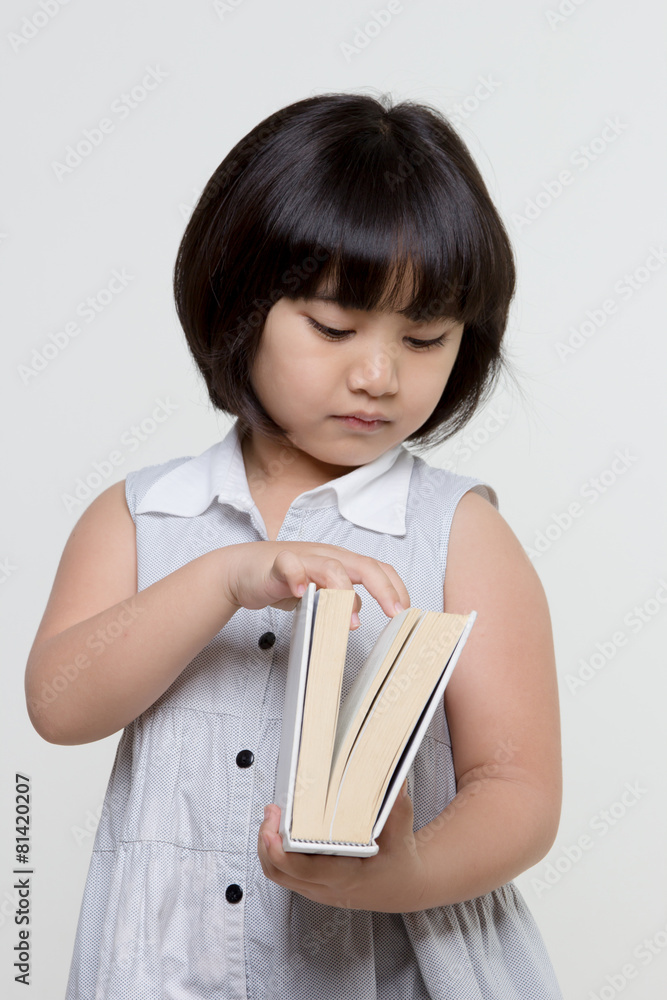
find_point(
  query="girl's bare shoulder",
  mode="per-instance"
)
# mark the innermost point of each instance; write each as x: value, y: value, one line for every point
x: 98, y: 566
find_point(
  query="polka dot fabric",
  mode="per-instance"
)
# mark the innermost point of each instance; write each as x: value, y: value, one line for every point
x: 176, y: 905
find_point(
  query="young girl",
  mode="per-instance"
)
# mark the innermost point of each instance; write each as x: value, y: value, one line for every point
x: 344, y: 285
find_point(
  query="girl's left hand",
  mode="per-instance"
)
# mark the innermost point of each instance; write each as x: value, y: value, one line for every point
x: 391, y: 881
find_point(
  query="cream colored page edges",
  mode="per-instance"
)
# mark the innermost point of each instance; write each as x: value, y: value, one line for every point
x: 320, y: 711
x: 357, y: 704
x: 378, y: 748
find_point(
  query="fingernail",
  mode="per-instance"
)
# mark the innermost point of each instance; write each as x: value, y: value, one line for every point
x: 267, y: 842
x: 398, y: 607
x: 355, y: 619
x: 301, y: 589
x: 266, y: 812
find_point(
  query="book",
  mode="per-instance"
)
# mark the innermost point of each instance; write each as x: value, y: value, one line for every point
x: 341, y: 765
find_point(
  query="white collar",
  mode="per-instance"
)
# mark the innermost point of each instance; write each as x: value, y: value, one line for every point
x: 371, y: 496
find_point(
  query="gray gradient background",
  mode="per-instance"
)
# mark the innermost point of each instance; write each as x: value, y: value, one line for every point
x: 550, y: 89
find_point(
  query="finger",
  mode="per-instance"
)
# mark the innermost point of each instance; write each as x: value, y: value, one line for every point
x: 297, y: 572
x: 324, y: 571
x: 305, y: 887
x: 277, y: 866
x: 379, y: 579
x: 401, y: 589
x: 273, y: 844
x: 338, y: 578
x: 355, y: 564
x: 289, y: 571
x: 374, y: 576
x: 359, y: 563
x: 306, y: 869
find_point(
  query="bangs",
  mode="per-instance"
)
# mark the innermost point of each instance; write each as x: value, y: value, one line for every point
x: 419, y: 289
x: 384, y: 233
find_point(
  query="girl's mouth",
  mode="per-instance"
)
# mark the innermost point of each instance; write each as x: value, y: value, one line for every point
x: 362, y: 425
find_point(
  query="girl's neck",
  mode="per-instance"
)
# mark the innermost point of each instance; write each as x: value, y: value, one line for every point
x: 285, y: 466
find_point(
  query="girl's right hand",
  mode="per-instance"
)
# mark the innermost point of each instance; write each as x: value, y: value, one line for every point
x: 268, y: 574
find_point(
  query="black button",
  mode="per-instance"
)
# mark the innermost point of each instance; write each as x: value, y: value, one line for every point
x: 234, y: 893
x: 244, y: 758
x: 267, y: 640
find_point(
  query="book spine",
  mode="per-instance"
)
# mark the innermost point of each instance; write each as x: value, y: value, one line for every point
x: 295, y: 685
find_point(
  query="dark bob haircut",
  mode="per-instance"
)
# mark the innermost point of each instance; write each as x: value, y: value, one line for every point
x: 353, y: 192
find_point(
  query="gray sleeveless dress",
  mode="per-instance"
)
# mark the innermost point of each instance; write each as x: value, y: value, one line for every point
x: 176, y: 905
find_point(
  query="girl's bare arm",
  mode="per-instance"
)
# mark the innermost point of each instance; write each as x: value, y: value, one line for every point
x: 104, y: 653
x: 503, y: 714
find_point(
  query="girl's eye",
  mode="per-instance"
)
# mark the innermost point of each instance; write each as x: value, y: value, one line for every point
x: 330, y: 334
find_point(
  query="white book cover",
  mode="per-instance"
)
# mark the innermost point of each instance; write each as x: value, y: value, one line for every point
x: 295, y: 688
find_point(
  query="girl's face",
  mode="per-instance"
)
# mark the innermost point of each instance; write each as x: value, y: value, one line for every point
x: 307, y: 378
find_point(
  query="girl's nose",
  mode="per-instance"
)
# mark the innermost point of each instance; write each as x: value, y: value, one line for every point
x: 375, y: 369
